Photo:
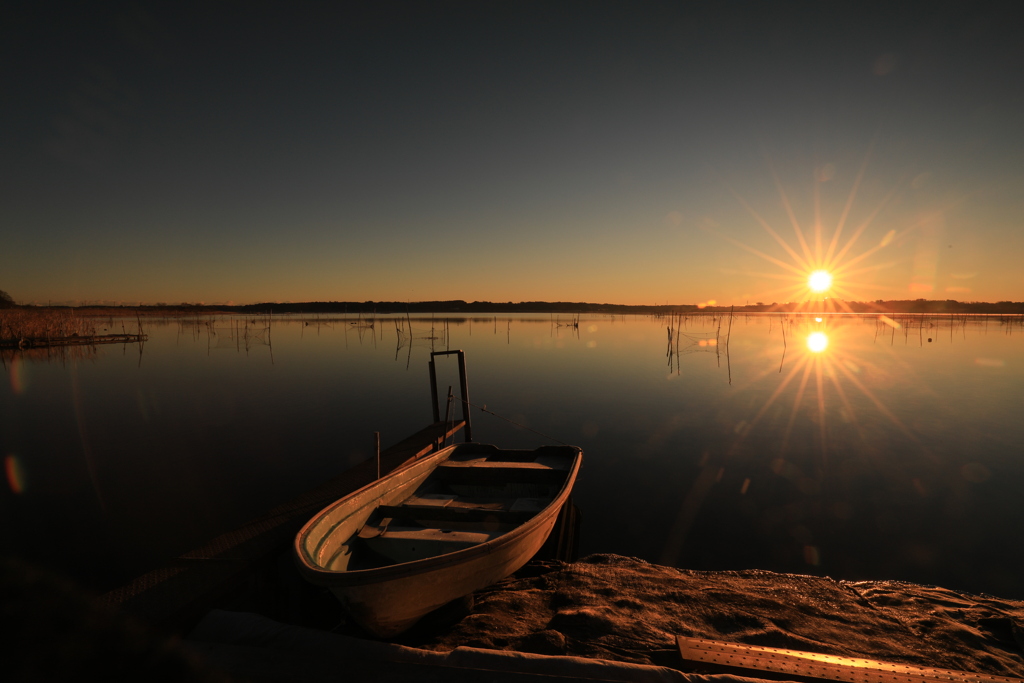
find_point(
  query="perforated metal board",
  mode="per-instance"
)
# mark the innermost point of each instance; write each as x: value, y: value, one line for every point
x: 829, y: 667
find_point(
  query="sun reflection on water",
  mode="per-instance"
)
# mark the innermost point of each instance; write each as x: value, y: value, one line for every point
x: 817, y: 341
x: 827, y: 367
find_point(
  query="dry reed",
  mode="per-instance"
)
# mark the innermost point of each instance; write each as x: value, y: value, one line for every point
x: 18, y: 325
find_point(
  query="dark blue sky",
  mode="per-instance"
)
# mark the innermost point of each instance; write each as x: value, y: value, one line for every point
x: 224, y: 151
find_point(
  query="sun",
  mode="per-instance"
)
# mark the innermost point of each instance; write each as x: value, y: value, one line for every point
x: 820, y: 281
x: 822, y: 272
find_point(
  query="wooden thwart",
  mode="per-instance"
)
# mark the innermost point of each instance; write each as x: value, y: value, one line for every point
x: 815, y: 665
x: 454, y: 514
x: 499, y: 475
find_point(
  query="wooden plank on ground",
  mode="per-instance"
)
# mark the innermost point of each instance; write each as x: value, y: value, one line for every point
x: 814, y: 665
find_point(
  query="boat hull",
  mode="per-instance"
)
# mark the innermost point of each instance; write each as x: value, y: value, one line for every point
x: 386, y: 600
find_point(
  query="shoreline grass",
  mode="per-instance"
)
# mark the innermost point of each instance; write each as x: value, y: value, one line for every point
x: 23, y: 328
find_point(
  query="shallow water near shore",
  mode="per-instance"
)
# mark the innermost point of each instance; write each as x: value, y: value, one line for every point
x: 851, y: 446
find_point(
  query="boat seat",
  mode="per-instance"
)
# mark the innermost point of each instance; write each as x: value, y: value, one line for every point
x: 483, y: 463
x: 374, y: 529
x: 555, y: 461
x: 499, y: 475
x: 430, y: 499
x: 546, y: 461
x: 514, y: 516
x: 405, y: 544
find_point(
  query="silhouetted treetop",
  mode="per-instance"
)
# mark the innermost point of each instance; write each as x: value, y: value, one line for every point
x: 5, y: 300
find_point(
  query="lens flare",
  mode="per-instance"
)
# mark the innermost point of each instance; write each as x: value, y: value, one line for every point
x: 18, y: 376
x: 820, y: 281
x: 15, y: 474
x: 817, y: 342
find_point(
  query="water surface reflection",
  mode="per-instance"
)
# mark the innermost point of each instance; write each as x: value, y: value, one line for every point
x: 854, y: 447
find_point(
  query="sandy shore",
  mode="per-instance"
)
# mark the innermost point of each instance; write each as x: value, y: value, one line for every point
x: 603, y: 607
x: 624, y: 609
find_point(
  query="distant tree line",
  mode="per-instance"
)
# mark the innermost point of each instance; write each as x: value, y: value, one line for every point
x: 459, y: 306
x: 565, y: 307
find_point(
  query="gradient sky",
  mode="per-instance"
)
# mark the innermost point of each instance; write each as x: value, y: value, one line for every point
x: 510, y: 151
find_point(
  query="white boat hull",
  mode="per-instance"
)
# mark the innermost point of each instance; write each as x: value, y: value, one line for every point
x: 421, y: 569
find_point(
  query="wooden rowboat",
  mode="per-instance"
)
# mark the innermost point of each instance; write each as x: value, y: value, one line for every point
x: 456, y: 521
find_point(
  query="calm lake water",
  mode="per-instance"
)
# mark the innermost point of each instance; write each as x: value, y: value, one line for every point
x: 852, y: 447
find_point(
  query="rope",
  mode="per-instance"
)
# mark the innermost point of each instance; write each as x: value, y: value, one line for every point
x: 521, y: 426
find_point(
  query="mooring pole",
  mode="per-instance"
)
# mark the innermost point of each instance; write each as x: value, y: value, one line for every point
x: 433, y: 390
x: 463, y: 387
x: 447, y: 416
x: 376, y: 438
x: 464, y: 381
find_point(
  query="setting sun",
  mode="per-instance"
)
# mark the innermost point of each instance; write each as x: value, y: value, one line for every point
x: 817, y: 342
x: 820, y: 281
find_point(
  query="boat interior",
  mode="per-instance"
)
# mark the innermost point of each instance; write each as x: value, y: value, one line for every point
x: 468, y: 499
